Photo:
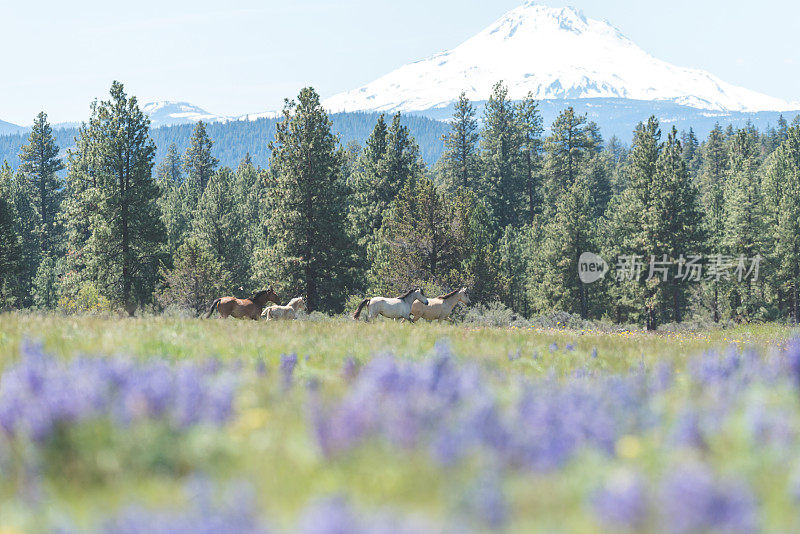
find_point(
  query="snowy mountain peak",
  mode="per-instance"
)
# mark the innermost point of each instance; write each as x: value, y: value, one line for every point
x: 168, y: 113
x: 567, y: 18
x: 553, y: 53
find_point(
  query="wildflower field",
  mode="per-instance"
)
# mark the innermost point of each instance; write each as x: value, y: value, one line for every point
x: 159, y: 425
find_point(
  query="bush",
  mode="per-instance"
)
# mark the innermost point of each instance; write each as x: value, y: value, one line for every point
x: 87, y: 300
x: 492, y: 314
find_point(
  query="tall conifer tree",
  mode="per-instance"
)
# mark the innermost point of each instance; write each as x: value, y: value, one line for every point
x: 501, y: 152
x: 744, y: 229
x: 782, y: 191
x: 198, y: 163
x: 568, y: 147
x: 460, y: 159
x: 312, y: 252
x: 530, y: 126
x: 116, y: 232
x: 40, y: 165
x: 10, y: 242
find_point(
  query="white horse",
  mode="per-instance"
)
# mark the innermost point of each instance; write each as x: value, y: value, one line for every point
x: 439, y: 308
x: 397, y: 308
x: 288, y: 312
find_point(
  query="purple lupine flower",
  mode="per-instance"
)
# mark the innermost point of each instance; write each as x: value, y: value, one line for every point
x: 793, y: 360
x: 512, y: 356
x: 687, y: 432
x: 334, y: 515
x: 288, y: 363
x: 235, y: 513
x: 38, y: 393
x: 622, y: 502
x: 594, y: 353
x: 331, y: 516
x: 486, y: 502
x: 350, y: 368
x: 570, y: 347
x: 693, y: 501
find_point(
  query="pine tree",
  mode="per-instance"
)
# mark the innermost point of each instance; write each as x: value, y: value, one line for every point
x: 40, y: 165
x: 630, y: 229
x: 712, y: 176
x: 174, y: 201
x: 782, y: 191
x: 368, y: 181
x: 390, y: 159
x: 530, y: 126
x: 424, y: 239
x: 677, y: 219
x: 480, y: 264
x: 460, y: 161
x: 170, y: 171
x: 744, y: 219
x: 21, y: 195
x: 198, y: 276
x: 311, y: 251
x: 554, y: 281
x: 512, y: 266
x: 116, y: 234
x: 198, y: 163
x: 568, y: 148
x: 600, y: 169
x: 249, y: 190
x: 10, y: 242
x: 45, y: 283
x: 501, y: 152
x: 402, y: 158
x: 220, y: 228
x: 691, y: 152
x: 616, y: 154
x: 782, y: 130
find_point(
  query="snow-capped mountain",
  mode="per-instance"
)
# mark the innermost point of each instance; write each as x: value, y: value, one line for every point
x: 166, y: 113
x: 553, y: 54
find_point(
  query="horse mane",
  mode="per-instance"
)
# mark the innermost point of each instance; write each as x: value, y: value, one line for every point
x: 451, y: 294
x: 407, y: 293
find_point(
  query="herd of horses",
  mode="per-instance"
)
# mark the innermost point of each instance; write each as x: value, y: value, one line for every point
x: 412, y: 303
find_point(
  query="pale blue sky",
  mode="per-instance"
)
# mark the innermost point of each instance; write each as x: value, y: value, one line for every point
x: 243, y: 56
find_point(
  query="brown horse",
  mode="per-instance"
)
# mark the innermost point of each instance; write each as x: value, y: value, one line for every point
x: 250, y: 308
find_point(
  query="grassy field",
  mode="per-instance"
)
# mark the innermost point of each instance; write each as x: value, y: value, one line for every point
x: 553, y: 430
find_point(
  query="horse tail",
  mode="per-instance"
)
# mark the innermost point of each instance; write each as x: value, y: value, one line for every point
x: 213, y: 307
x: 360, y: 307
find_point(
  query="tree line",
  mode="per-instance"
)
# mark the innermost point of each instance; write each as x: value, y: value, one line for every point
x: 507, y: 211
x: 234, y: 139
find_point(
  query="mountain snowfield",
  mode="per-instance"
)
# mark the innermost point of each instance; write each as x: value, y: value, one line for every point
x: 552, y: 54
x: 168, y: 113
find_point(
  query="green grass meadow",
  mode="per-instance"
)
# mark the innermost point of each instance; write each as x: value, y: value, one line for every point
x: 269, y: 444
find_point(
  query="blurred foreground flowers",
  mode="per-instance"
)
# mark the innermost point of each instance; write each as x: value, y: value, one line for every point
x: 652, y: 449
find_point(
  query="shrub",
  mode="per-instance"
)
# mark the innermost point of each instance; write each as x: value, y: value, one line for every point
x: 492, y: 314
x: 87, y: 300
